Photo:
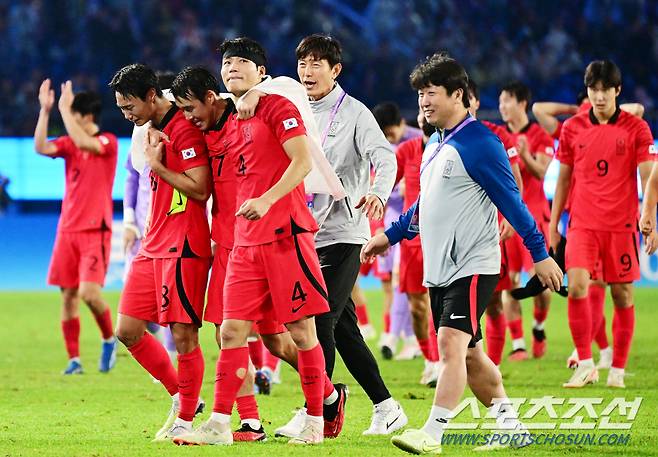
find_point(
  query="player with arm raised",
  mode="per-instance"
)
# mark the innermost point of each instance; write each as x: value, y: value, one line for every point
x: 82, y: 247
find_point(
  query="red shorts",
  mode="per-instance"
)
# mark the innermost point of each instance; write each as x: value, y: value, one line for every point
x: 505, y: 282
x: 165, y: 290
x: 215, y: 304
x: 411, y: 269
x: 614, y: 254
x: 279, y: 281
x: 518, y: 257
x: 80, y: 257
x: 367, y: 268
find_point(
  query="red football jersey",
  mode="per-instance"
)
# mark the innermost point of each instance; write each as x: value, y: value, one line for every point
x: 409, y: 156
x: 87, y: 203
x: 509, y: 142
x: 539, y: 142
x: 259, y: 161
x: 177, y: 224
x: 604, y: 158
x: 218, y: 141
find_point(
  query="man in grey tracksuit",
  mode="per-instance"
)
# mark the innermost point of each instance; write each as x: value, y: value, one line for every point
x: 353, y: 144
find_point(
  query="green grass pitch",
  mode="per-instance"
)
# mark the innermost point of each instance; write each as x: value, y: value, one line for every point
x: 43, y: 413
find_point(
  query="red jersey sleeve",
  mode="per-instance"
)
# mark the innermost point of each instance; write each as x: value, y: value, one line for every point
x: 109, y: 144
x: 645, y: 150
x: 401, y: 159
x: 190, y: 147
x: 565, y: 148
x: 558, y: 130
x: 283, y: 118
x: 64, y: 146
x: 544, y: 144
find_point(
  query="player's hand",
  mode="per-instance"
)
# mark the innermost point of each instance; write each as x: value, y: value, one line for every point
x: 648, y: 222
x: 246, y: 105
x: 554, y: 237
x: 377, y: 245
x: 254, y: 208
x: 522, y: 146
x: 549, y: 274
x: 129, y: 239
x: 154, y: 142
x: 46, y: 96
x: 66, y: 97
x: 506, y: 230
x: 372, y: 206
x: 651, y: 243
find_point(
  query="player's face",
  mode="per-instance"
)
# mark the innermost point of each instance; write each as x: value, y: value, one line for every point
x: 393, y: 133
x: 196, y: 111
x: 509, y: 106
x: 240, y: 74
x: 603, y: 100
x: 317, y: 76
x: 437, y: 106
x: 134, y: 109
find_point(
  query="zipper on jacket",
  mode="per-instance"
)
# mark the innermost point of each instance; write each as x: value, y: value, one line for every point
x: 347, y: 199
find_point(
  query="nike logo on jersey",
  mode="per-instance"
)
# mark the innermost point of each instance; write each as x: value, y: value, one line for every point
x: 294, y: 310
x: 452, y: 316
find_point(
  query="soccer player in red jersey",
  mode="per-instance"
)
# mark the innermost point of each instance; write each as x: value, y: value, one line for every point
x: 82, y: 246
x: 496, y: 324
x: 535, y: 149
x: 273, y: 273
x: 167, y: 279
x: 601, y: 150
x: 196, y: 94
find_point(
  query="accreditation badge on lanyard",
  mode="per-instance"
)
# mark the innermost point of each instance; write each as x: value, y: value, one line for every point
x: 414, y: 223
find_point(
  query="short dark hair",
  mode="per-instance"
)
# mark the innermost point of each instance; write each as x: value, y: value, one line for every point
x: 603, y: 71
x: 519, y: 91
x: 165, y: 78
x: 87, y: 103
x: 582, y: 95
x: 135, y: 80
x: 387, y: 114
x: 441, y: 70
x: 244, y: 47
x: 320, y: 47
x: 194, y: 82
x: 473, y: 89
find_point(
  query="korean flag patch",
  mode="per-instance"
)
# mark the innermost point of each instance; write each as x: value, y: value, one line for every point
x: 290, y: 123
x: 188, y: 153
x: 652, y: 149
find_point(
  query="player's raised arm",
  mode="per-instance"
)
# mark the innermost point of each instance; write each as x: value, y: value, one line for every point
x: 82, y: 139
x: 546, y: 114
x: 194, y: 182
x: 46, y: 100
x: 297, y: 150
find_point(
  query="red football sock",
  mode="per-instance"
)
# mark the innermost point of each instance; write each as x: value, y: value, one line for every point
x: 71, y: 331
x: 247, y: 407
x: 270, y: 361
x: 190, y: 378
x: 601, y: 337
x: 328, y: 386
x: 150, y: 354
x: 312, y: 374
x: 623, y: 325
x: 104, y: 321
x: 580, y: 323
x: 434, y: 345
x: 596, y: 297
x: 516, y: 328
x: 256, y: 349
x: 231, y: 364
x: 495, y: 328
x: 387, y: 322
x: 540, y: 314
x: 362, y: 314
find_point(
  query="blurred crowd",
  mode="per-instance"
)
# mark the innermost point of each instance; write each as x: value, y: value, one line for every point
x: 545, y: 43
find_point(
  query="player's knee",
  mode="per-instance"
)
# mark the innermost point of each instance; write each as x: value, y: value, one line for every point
x: 128, y: 337
x: 577, y: 289
x: 231, y: 335
x: 622, y: 296
x: 90, y: 295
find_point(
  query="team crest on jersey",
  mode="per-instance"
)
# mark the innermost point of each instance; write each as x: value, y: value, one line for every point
x: 652, y: 149
x: 246, y: 133
x: 290, y: 123
x: 333, y: 129
x: 447, y: 168
x: 188, y: 153
x: 512, y: 152
x: 621, y: 146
